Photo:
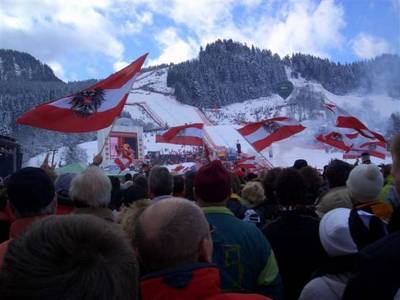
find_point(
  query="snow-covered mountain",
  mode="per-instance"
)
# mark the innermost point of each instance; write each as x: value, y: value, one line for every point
x: 227, y: 85
x: 154, y: 103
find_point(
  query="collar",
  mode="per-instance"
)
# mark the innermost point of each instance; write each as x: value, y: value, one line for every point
x: 199, y: 281
x: 20, y: 225
x: 217, y: 210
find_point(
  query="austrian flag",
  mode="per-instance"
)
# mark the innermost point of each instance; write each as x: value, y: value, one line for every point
x: 262, y: 134
x: 191, y: 134
x: 335, y: 139
x: 89, y: 110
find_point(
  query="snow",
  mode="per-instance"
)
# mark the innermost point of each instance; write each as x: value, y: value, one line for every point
x: 153, y: 102
x: 372, y: 109
x: 151, y: 90
x: 17, y: 69
x: 89, y: 147
x: 250, y: 110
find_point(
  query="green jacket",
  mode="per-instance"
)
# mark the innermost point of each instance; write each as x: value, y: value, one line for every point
x: 389, y: 182
x: 243, y: 255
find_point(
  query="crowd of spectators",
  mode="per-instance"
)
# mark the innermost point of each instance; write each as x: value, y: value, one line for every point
x: 286, y: 233
x: 172, y: 157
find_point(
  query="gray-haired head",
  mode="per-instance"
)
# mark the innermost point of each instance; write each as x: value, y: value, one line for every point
x: 171, y: 233
x: 160, y: 182
x: 91, y: 187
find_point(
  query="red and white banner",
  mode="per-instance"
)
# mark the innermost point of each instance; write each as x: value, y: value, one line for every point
x: 262, y: 134
x: 89, y: 110
x: 247, y: 162
x: 336, y: 140
x: 191, y: 134
x: 345, y: 120
x: 374, y: 148
x: 354, y: 123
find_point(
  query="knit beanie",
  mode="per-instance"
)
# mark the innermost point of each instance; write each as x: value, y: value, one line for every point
x: 365, y: 182
x: 212, y: 182
x: 30, y: 190
x: 252, y: 194
x: 343, y: 231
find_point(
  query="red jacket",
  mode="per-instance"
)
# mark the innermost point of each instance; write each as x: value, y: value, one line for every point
x: 17, y: 227
x: 196, y: 282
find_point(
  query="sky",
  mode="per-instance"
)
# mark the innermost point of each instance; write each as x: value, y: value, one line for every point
x: 82, y: 39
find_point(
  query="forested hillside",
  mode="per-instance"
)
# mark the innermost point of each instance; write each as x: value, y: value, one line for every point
x: 24, y: 83
x: 228, y: 72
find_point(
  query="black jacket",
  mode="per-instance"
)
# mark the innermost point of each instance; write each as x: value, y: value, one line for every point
x: 295, y: 240
x: 378, y: 271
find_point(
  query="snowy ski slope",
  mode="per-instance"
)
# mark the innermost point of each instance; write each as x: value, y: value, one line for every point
x: 152, y: 101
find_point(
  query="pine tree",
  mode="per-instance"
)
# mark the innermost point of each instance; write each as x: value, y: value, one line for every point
x: 74, y: 154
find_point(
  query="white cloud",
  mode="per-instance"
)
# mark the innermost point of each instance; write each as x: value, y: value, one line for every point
x: 120, y: 64
x: 174, y: 48
x: 52, y: 29
x: 294, y: 26
x: 55, y: 31
x: 58, y: 70
x: 368, y: 46
x: 136, y: 26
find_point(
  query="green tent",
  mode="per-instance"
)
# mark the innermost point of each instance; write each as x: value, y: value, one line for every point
x: 72, y: 168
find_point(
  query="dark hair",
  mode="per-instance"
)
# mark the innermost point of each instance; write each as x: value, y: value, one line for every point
x: 115, y: 202
x: 250, y: 177
x: 30, y: 190
x: 313, y: 181
x: 142, y: 181
x: 269, y: 184
x: 128, y: 176
x: 189, y: 183
x: 300, y: 163
x: 179, y: 185
x: 386, y: 170
x: 337, y: 173
x: 290, y: 187
x: 70, y: 257
x: 133, y: 193
x: 160, y: 181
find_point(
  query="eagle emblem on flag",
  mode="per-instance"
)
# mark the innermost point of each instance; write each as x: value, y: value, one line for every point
x: 87, y: 102
x: 271, y: 127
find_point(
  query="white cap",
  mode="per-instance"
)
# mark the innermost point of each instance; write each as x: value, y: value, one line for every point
x: 365, y: 182
x: 334, y: 233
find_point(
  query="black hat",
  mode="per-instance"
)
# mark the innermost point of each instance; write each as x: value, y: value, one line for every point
x: 30, y: 190
x: 300, y: 163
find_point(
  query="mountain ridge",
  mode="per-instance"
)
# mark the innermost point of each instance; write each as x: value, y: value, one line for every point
x: 277, y: 93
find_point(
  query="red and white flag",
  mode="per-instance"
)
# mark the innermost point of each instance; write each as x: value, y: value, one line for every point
x: 89, y: 110
x: 336, y: 140
x: 247, y: 162
x: 191, y: 134
x: 345, y: 120
x: 354, y: 123
x: 262, y: 134
x: 374, y: 148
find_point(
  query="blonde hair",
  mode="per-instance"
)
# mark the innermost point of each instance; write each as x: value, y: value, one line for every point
x: 252, y: 194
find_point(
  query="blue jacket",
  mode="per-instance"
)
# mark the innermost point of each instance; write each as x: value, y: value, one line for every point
x: 243, y: 255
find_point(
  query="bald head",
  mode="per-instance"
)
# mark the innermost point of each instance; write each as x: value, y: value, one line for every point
x: 170, y: 233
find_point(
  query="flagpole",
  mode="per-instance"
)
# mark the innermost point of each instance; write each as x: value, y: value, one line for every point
x: 106, y: 138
